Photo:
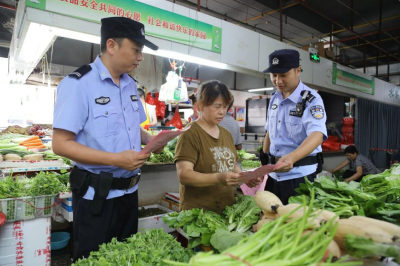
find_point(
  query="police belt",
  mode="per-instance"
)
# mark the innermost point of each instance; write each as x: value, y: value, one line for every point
x: 116, y: 183
x: 309, y: 160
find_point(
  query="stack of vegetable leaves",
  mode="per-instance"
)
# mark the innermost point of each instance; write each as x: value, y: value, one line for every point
x: 144, y: 248
x: 250, y: 164
x: 243, y: 155
x: 44, y: 183
x: 201, y: 226
x: 376, y: 196
x: 280, y: 242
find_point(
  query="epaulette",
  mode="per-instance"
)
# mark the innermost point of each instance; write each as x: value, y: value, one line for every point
x: 133, y: 78
x: 80, y: 72
x: 273, y: 93
x: 309, y: 97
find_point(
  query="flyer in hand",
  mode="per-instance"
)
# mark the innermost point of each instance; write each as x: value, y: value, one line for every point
x: 160, y: 141
x: 259, y: 172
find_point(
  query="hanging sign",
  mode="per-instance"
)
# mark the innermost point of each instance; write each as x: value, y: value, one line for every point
x: 353, y: 81
x: 158, y: 22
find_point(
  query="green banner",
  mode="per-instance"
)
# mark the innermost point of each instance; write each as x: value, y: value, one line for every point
x: 158, y: 22
x: 352, y: 81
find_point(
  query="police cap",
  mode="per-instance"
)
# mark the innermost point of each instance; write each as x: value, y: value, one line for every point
x: 120, y: 27
x: 281, y: 61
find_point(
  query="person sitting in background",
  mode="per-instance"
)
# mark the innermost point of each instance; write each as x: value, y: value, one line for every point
x: 149, y: 109
x: 230, y: 124
x: 195, y: 115
x: 360, y: 166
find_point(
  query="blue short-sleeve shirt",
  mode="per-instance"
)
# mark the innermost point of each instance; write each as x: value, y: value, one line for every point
x: 287, y: 131
x: 103, y: 116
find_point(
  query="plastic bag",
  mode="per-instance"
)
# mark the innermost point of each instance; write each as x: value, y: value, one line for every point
x: 150, y: 100
x: 176, y: 120
x: 174, y: 90
x: 160, y: 107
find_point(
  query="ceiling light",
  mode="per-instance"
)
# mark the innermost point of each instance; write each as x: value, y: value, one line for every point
x: 261, y: 89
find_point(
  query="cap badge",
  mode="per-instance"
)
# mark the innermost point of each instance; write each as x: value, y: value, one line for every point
x: 142, y: 30
x: 275, y: 61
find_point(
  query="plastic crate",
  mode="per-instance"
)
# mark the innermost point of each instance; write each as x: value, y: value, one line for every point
x: 27, y: 208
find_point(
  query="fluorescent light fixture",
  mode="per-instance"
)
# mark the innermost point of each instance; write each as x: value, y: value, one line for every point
x: 76, y: 35
x: 261, y: 89
x: 185, y: 57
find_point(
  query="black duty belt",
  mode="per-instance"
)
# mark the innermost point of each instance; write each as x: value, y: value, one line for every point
x: 117, y: 183
x: 309, y: 160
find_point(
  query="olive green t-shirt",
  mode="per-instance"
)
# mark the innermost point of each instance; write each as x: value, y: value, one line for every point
x: 209, y: 155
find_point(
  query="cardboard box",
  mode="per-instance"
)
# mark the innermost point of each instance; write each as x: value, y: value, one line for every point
x: 329, y: 53
x: 169, y: 204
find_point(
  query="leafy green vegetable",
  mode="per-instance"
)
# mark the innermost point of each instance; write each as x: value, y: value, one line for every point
x: 20, y: 152
x: 10, y: 188
x: 243, y: 214
x: 248, y: 164
x: 144, y: 248
x: 165, y: 157
x: 361, y: 247
x: 222, y: 239
x: 45, y: 183
x: 243, y: 155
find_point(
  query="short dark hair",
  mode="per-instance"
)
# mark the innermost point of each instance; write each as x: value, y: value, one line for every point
x: 103, y: 43
x: 141, y: 92
x: 229, y: 107
x: 210, y: 90
x: 351, y: 149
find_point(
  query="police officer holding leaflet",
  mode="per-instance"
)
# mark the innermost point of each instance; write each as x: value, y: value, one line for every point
x: 97, y: 125
x: 295, y: 126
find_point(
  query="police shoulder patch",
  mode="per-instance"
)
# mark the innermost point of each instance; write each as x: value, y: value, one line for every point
x: 80, y: 72
x: 317, y: 111
x: 309, y: 97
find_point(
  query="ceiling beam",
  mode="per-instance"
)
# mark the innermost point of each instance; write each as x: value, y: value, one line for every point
x: 340, y: 25
x: 364, y: 35
x: 7, y: 7
x: 269, y: 13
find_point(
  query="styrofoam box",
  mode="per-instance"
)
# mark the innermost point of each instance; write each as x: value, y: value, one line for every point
x: 66, y: 209
x: 152, y: 222
x: 26, y: 242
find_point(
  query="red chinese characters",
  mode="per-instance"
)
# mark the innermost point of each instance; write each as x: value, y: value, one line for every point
x: 165, y: 24
x: 185, y: 30
x: 136, y: 16
x: 94, y: 5
x: 172, y: 26
x: 64, y: 1
x: 203, y: 35
x: 19, y: 259
x: 103, y: 7
x: 178, y: 28
x: 150, y: 20
x: 120, y: 12
x: 191, y: 32
x: 85, y: 3
x: 112, y: 9
x: 196, y: 33
x: 74, y: 2
x: 158, y: 22
x: 128, y: 14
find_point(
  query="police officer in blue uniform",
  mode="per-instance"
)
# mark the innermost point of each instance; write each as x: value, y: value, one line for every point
x: 97, y: 125
x: 295, y: 127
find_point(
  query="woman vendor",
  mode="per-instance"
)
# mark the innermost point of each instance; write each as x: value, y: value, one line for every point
x: 360, y: 165
x: 206, y: 158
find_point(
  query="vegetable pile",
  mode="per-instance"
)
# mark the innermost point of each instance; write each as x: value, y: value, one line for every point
x: 167, y: 155
x: 249, y: 164
x: 243, y: 155
x: 145, y: 248
x: 44, y: 183
x: 200, y: 226
x: 292, y: 238
x: 376, y: 196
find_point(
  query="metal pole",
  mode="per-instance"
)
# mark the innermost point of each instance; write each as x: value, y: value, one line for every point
x: 365, y: 52
x: 379, y: 36
x: 280, y: 19
x: 351, y: 14
x: 388, y: 68
x: 198, y: 5
x: 330, y: 36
